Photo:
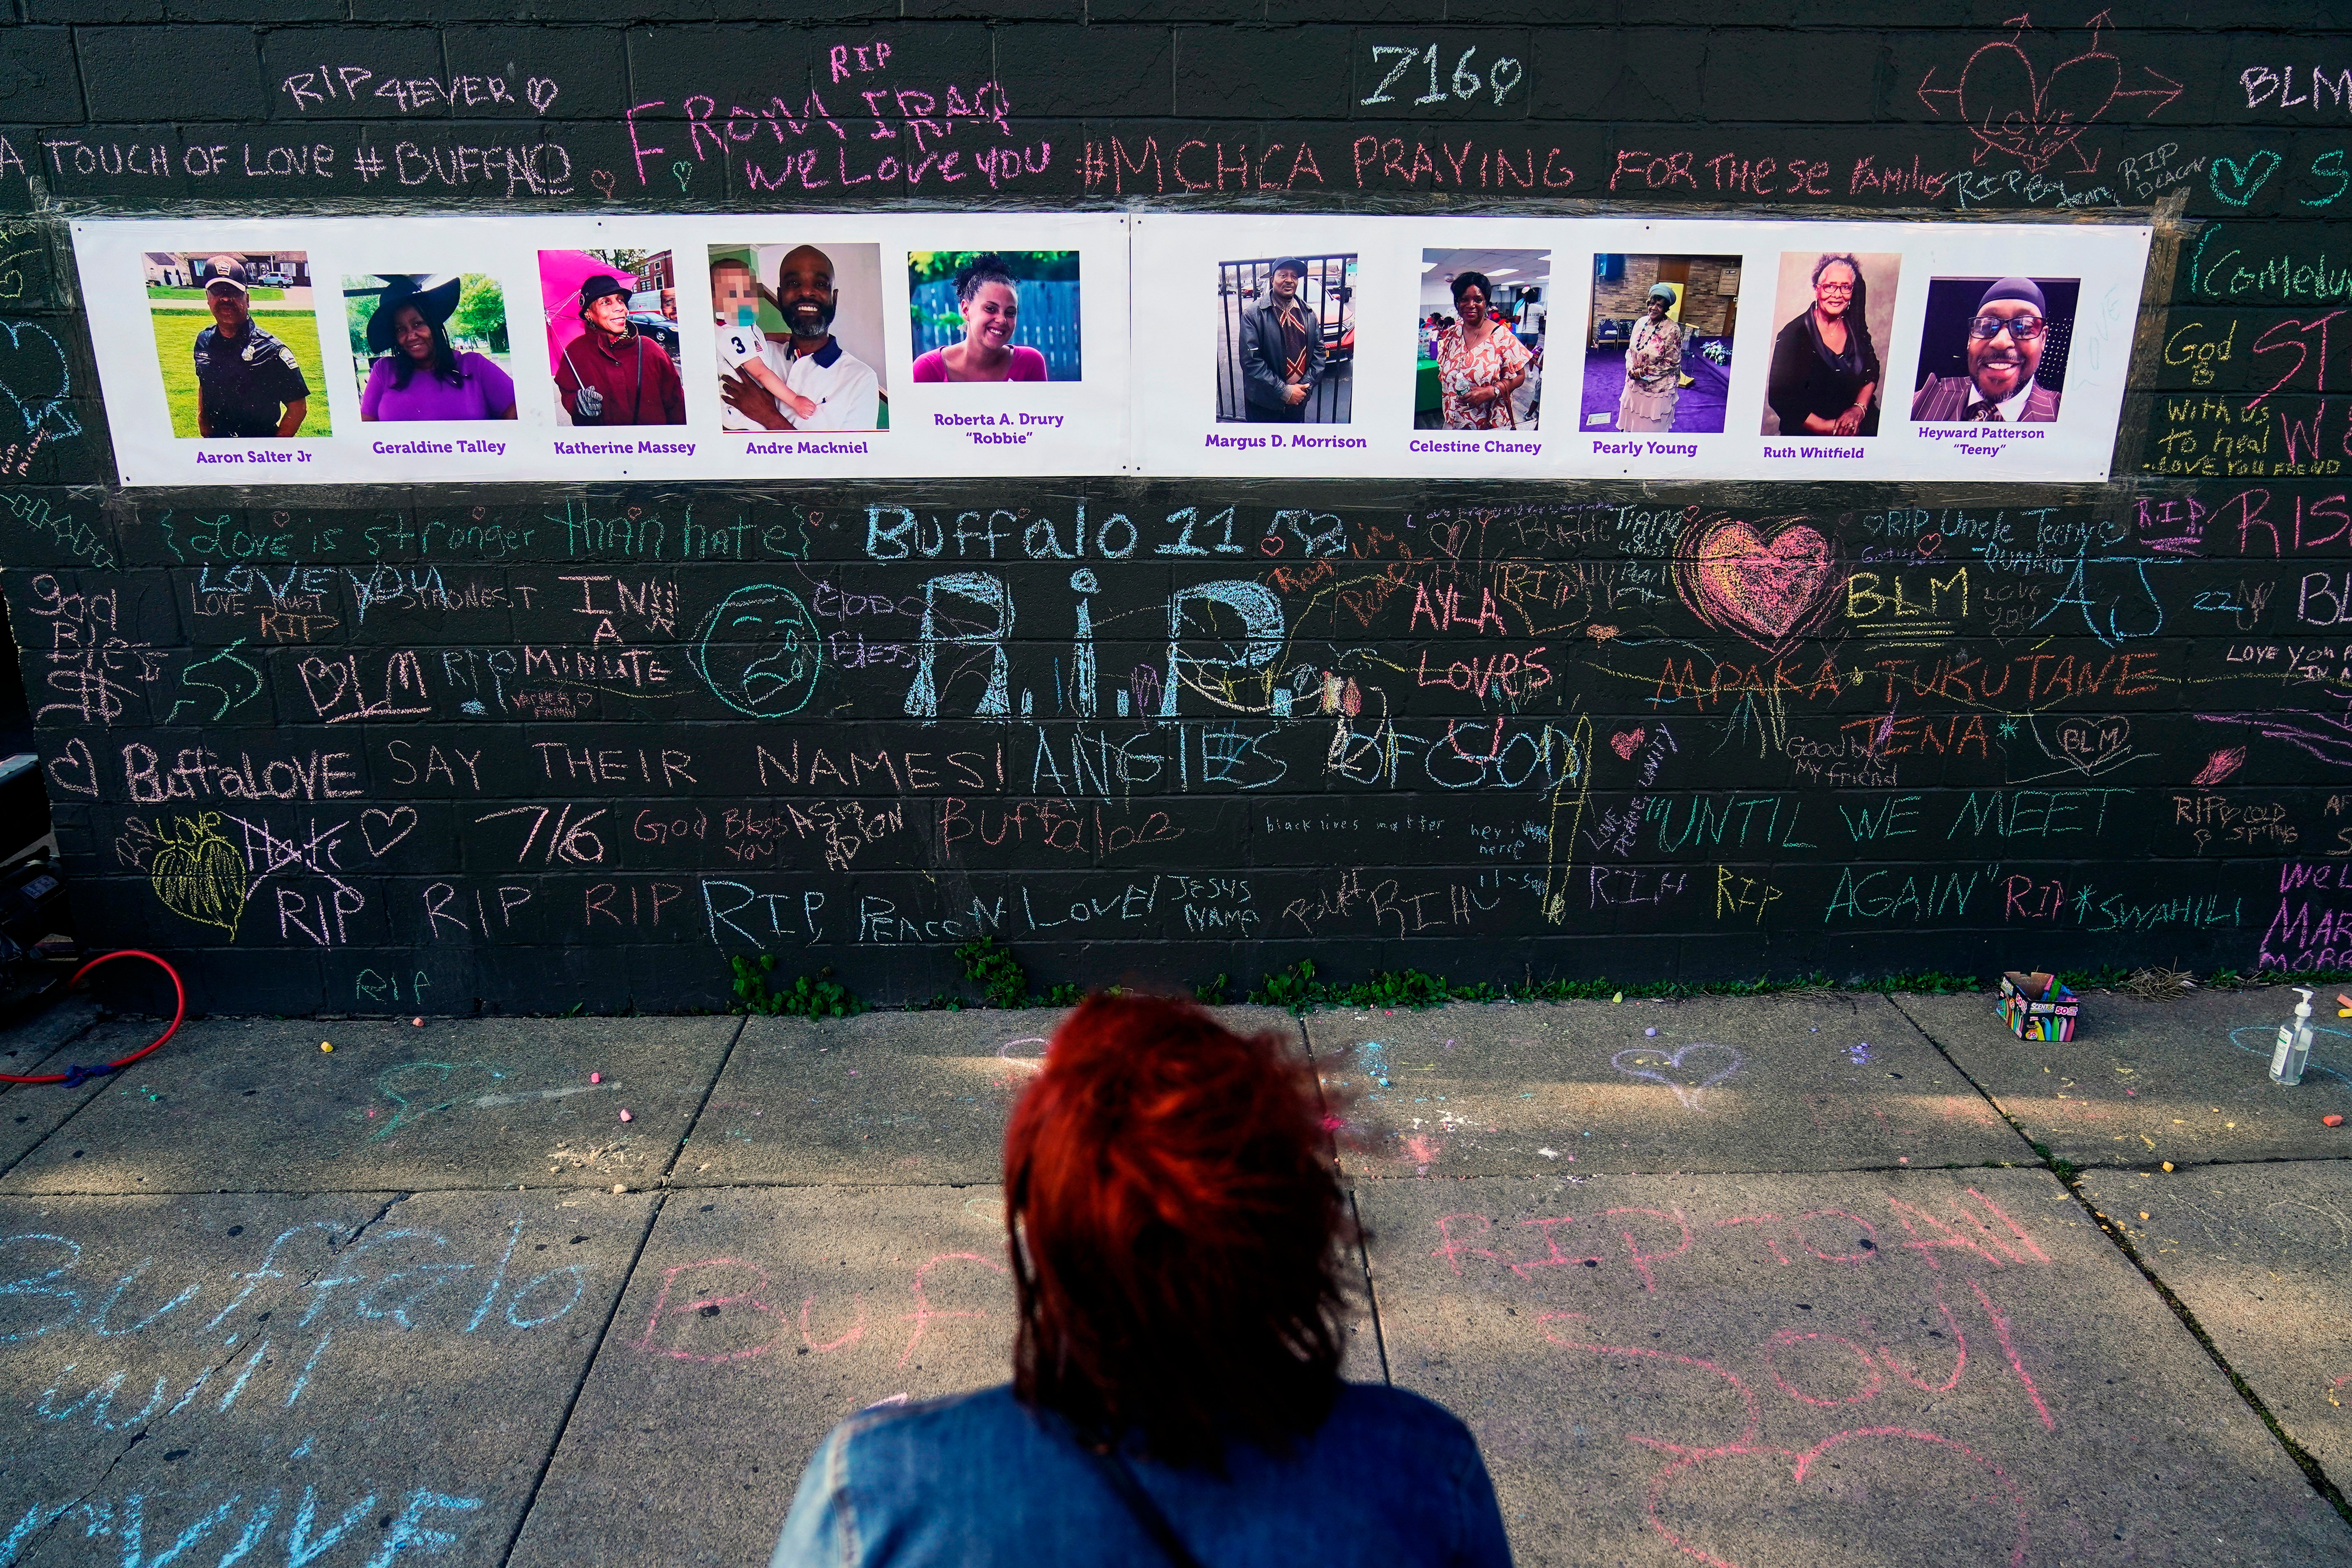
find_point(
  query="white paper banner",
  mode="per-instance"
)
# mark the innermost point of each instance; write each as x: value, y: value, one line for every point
x: 967, y: 345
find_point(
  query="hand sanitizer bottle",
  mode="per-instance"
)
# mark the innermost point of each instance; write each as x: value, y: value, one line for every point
x: 2294, y: 1048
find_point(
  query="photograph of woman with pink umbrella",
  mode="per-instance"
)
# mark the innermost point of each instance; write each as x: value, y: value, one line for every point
x: 609, y: 362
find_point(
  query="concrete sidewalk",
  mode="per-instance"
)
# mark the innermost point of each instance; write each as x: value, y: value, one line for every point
x: 1784, y: 1282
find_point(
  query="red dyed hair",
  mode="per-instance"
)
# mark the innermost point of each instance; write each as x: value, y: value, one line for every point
x: 1178, y: 1228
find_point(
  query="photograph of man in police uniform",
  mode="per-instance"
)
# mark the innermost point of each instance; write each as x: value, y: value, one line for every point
x: 249, y: 385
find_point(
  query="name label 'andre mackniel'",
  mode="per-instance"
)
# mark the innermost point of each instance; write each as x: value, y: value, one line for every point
x: 803, y: 447
x: 622, y: 448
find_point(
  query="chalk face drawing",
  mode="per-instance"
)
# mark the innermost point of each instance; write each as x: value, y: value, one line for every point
x: 1770, y: 586
x: 1689, y: 1070
x: 759, y: 652
x: 197, y: 874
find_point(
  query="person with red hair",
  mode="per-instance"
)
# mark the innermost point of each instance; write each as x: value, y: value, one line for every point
x: 1182, y: 1260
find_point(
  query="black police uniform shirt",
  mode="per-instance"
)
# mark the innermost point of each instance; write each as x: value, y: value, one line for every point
x: 247, y: 380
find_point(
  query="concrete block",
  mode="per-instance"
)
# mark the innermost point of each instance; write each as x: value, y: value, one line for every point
x: 142, y: 74
x: 1580, y: 1087
x: 1878, y: 1367
x: 489, y: 1103
x: 2262, y: 1257
x: 264, y: 1376
x: 2143, y: 1082
x: 890, y: 1098
x: 756, y: 1320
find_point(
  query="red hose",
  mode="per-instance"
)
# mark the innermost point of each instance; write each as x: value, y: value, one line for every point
x: 79, y: 1074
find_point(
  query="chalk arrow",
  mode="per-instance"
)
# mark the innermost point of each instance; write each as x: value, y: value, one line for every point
x: 1951, y: 92
x: 2163, y: 95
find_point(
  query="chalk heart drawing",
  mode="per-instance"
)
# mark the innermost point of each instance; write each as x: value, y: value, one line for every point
x: 2011, y: 108
x: 1912, y: 1496
x: 541, y: 91
x: 1690, y: 1071
x: 2237, y: 183
x: 1625, y: 743
x: 197, y: 874
x: 604, y: 181
x: 383, y: 829
x: 34, y: 379
x: 1767, y: 589
x: 2091, y: 744
x: 73, y: 770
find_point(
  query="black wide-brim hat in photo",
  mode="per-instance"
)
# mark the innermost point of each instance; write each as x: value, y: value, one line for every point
x: 433, y: 297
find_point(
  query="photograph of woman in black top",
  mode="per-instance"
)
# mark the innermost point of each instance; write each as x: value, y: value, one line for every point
x: 1825, y: 372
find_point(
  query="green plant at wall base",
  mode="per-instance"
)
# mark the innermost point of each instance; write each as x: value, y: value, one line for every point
x: 1210, y: 993
x: 990, y: 966
x: 1298, y: 989
x: 817, y: 997
x: 1002, y: 983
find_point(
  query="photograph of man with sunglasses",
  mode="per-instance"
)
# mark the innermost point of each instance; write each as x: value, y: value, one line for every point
x: 2006, y: 334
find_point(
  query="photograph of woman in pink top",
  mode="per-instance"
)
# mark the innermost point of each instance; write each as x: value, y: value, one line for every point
x: 991, y: 303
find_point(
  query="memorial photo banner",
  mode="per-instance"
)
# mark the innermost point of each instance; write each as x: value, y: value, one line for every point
x: 1775, y: 350
x: 485, y: 349
x: 918, y: 345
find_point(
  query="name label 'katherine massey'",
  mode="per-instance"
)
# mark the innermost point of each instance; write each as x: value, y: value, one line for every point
x: 622, y: 448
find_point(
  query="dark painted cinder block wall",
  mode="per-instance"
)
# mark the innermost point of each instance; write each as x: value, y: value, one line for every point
x: 1512, y: 749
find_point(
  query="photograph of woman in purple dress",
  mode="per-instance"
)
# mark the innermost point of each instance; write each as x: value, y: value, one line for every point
x: 406, y: 329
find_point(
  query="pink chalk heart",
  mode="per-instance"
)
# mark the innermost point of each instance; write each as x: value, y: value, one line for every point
x: 2013, y: 111
x: 1767, y: 590
x: 1689, y: 1071
x: 1625, y: 743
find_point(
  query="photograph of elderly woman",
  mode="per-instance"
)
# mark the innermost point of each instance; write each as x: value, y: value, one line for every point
x: 613, y: 336
x: 799, y: 330
x: 1481, y: 335
x: 237, y: 340
x: 1993, y: 350
x: 429, y: 345
x: 1286, y: 340
x: 1657, y: 346
x: 1837, y: 311
x: 997, y: 315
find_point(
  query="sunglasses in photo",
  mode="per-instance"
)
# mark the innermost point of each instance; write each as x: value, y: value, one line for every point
x: 2021, y: 329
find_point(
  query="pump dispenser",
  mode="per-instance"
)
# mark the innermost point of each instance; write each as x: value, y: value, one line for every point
x: 2294, y: 1048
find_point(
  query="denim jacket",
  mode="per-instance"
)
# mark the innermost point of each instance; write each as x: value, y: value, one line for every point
x: 979, y: 1479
